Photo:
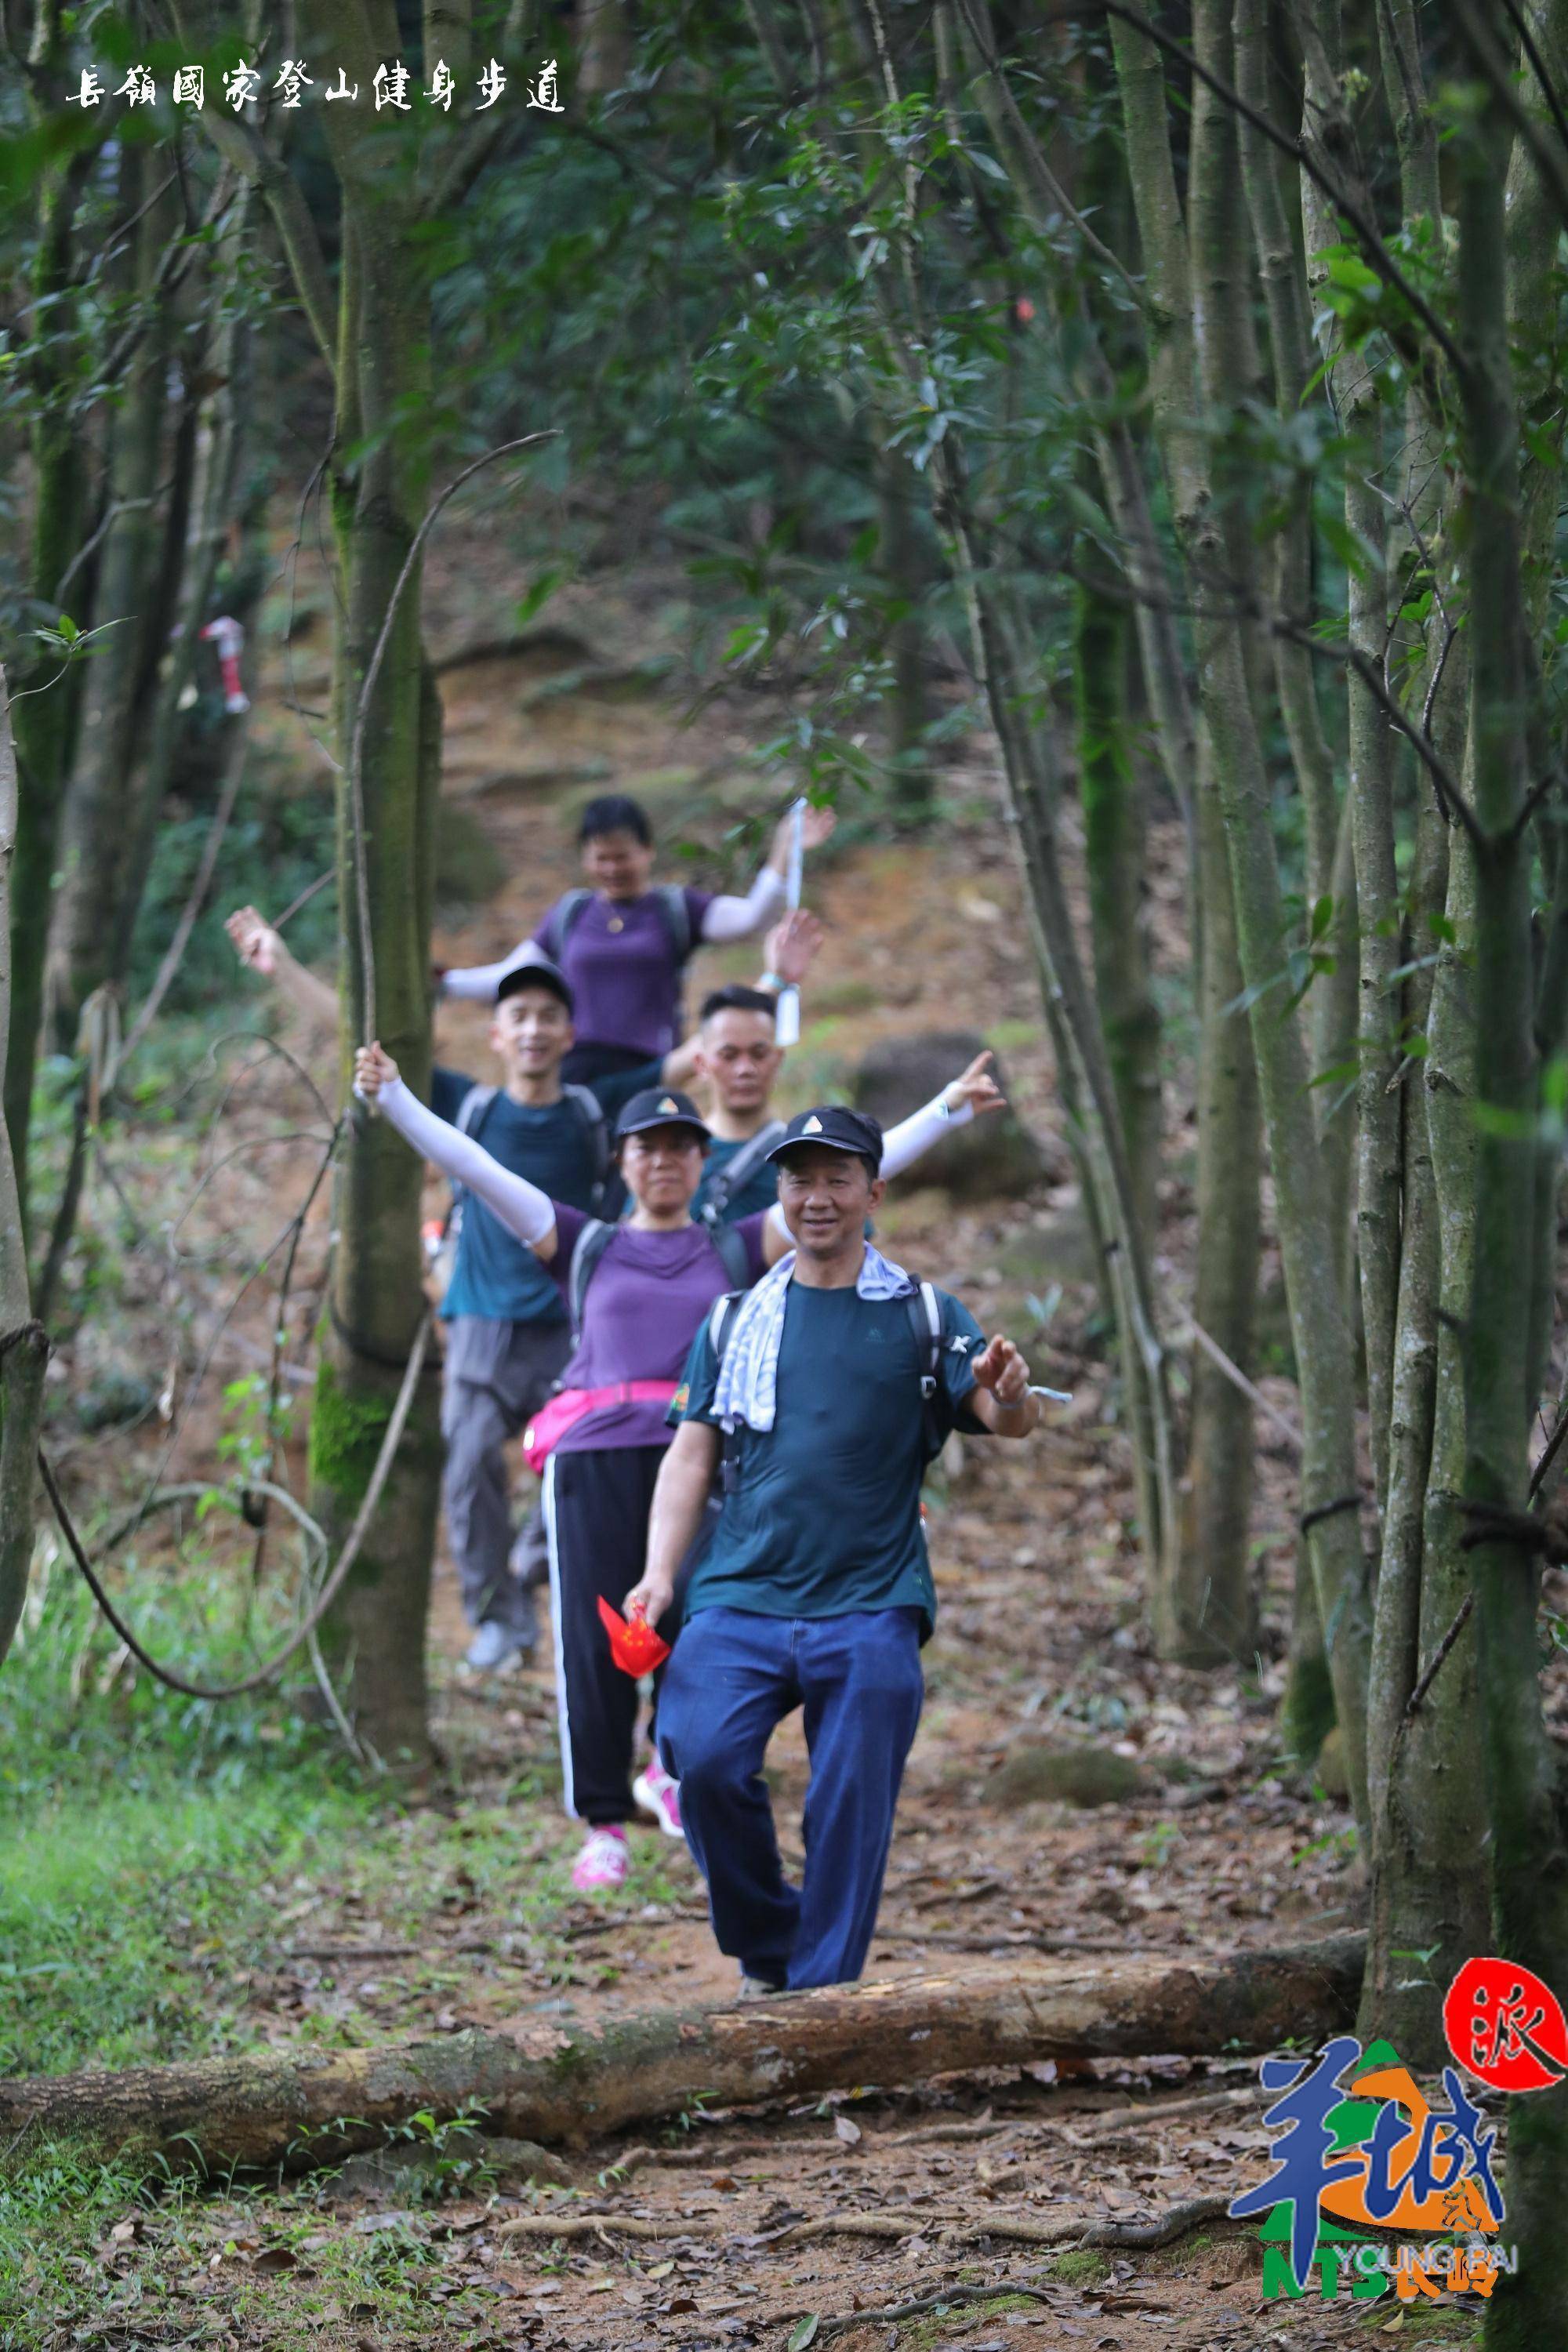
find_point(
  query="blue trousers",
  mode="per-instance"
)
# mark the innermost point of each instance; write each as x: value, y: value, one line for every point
x: 734, y: 1677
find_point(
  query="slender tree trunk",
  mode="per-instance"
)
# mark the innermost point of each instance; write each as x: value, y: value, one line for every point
x: 375, y: 1635
x: 898, y: 562
x: 1378, y: 1173
x: 1533, y: 230
x: 1428, y: 1813
x: 1200, y: 1596
x: 46, y: 719
x: 1529, y: 1861
x: 1207, y: 1609
x: 1008, y: 678
x: 1318, y: 1327
x: 23, y: 1348
x: 210, y: 462
x: 603, y: 47
x: 1115, y: 849
x: 96, y: 826
x: 1330, y: 874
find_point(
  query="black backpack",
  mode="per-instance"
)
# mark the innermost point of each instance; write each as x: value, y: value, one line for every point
x: 674, y: 913
x: 734, y: 1176
x: 595, y: 1238
x: 925, y: 1321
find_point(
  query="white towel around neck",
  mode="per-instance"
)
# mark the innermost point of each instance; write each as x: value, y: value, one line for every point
x: 747, y: 1390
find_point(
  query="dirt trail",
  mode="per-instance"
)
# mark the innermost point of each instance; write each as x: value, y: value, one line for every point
x: 1191, y: 1839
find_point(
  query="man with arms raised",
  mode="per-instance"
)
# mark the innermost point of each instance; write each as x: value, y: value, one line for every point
x: 735, y: 1056
x: 507, y: 1335
x: 821, y: 1395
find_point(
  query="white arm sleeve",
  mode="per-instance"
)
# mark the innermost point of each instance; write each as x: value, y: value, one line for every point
x: 478, y: 981
x: 729, y: 918
x: 903, y: 1144
x: 522, y: 1207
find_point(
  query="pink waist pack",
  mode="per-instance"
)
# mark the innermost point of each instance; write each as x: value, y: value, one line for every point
x: 552, y: 1421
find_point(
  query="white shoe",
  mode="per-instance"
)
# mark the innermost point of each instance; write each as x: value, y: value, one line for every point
x: 494, y: 1650
x: 657, y: 1794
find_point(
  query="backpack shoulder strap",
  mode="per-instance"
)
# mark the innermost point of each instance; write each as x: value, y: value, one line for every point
x: 677, y: 918
x: 925, y: 1318
x: 737, y: 1173
x: 589, y: 1110
x: 561, y: 919
x: 591, y: 1244
x: 470, y: 1118
x: 472, y: 1108
x: 731, y: 1248
x: 722, y: 1321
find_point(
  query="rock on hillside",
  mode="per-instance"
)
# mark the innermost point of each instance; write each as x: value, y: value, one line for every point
x: 993, y: 1157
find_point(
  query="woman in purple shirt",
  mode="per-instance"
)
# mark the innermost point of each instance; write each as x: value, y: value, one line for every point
x: 654, y: 1279
x: 624, y: 945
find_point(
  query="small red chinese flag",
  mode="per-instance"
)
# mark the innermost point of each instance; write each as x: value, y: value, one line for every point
x: 634, y: 1645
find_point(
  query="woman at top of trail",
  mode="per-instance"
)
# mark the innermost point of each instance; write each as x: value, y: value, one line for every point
x: 637, y: 1292
x: 623, y: 944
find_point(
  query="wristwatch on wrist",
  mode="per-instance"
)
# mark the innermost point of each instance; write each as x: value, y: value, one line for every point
x: 774, y: 980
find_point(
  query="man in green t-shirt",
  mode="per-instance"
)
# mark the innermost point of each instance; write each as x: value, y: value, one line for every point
x: 825, y: 1391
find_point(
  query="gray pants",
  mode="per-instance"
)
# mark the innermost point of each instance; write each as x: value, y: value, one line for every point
x: 497, y: 1377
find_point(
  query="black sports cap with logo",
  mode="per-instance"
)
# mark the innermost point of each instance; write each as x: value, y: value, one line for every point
x: 661, y: 1107
x: 536, y: 972
x: 839, y: 1128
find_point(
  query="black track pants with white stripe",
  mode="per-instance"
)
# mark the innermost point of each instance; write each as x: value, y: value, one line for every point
x: 597, y: 1507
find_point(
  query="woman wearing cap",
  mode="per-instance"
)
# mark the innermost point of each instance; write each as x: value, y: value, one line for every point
x: 623, y: 944
x: 654, y: 1277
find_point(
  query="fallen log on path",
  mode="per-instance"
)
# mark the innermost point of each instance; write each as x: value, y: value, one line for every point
x: 572, y: 2081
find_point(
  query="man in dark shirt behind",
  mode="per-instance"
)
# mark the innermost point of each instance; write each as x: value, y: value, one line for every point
x: 507, y: 1331
x: 829, y: 1389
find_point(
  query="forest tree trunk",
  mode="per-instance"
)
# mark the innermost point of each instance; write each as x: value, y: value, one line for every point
x: 1115, y: 850
x: 96, y: 825
x: 44, y: 722
x: 374, y: 1637
x: 23, y: 1346
x: 1529, y: 1859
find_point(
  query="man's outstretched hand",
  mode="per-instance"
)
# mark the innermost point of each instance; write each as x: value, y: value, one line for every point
x: 373, y: 1068
x: 976, y: 1088
x: 1003, y: 1369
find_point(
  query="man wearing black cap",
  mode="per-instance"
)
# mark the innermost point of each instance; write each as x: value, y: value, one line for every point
x: 639, y: 1290
x: 822, y: 1397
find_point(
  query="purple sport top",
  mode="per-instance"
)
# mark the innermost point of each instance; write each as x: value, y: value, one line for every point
x: 620, y: 962
x: 645, y: 1305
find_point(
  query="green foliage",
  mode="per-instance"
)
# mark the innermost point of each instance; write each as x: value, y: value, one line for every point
x: 254, y: 1425
x: 55, y: 2202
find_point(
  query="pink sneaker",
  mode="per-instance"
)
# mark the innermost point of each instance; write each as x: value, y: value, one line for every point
x: 657, y: 1794
x: 603, y: 1861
